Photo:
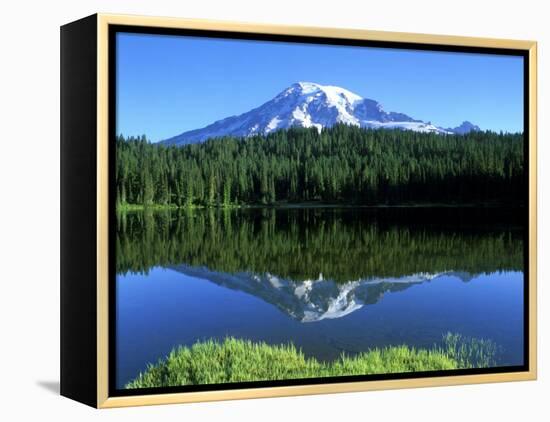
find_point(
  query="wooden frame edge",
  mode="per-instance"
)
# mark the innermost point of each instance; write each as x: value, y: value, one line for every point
x: 348, y: 387
x: 312, y: 31
x: 102, y: 211
x: 533, y: 344
x: 103, y: 399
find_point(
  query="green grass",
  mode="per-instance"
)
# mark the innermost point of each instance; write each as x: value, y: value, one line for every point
x: 469, y: 352
x: 235, y: 360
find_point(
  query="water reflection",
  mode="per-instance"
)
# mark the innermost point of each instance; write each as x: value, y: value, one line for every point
x: 327, y: 280
x: 312, y: 300
x: 341, y: 244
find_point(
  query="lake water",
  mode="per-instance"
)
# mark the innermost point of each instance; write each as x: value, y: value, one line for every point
x: 328, y: 280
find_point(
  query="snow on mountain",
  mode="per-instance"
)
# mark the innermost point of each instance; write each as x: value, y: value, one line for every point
x: 312, y: 300
x: 307, y: 104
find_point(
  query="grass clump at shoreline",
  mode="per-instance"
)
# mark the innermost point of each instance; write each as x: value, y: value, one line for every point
x: 469, y: 352
x: 236, y: 360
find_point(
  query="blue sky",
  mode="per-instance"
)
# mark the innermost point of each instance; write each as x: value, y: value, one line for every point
x: 167, y: 85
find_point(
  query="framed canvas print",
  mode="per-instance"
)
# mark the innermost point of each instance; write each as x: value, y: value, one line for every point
x: 255, y: 211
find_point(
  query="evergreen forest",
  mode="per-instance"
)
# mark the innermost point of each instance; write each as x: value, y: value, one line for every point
x: 340, y: 165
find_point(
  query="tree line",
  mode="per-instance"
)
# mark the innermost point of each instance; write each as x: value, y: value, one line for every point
x: 342, y: 164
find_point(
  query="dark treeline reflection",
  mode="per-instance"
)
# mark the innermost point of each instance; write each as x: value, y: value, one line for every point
x: 340, y: 244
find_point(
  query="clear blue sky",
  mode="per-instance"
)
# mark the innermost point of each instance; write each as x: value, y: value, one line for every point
x: 170, y: 84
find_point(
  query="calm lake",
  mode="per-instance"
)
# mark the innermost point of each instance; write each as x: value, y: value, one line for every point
x: 329, y: 280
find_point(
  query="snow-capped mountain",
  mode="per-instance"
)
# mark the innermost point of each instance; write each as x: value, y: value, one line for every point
x: 307, y: 104
x: 313, y: 300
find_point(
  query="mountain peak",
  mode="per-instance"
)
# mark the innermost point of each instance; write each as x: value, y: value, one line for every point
x: 465, y: 127
x: 310, y: 104
x: 334, y: 93
x: 305, y: 87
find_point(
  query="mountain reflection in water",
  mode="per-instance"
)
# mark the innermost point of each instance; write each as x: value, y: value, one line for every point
x: 312, y: 300
x: 328, y: 280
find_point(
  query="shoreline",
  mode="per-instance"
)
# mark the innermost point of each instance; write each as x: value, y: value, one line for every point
x: 243, y: 360
x: 314, y: 205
